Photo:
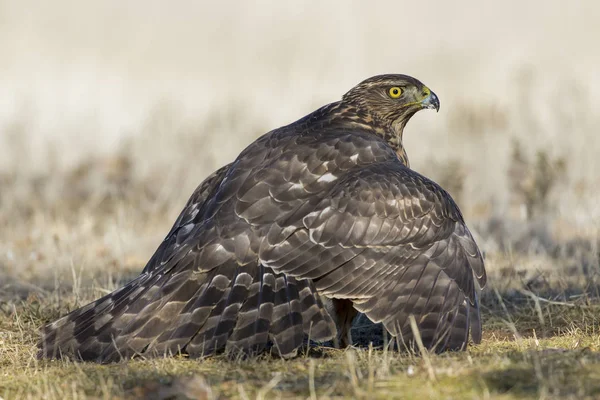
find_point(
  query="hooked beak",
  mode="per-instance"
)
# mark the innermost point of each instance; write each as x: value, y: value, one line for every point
x: 431, y: 101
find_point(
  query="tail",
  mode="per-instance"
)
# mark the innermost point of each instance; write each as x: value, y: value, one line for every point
x: 233, y: 308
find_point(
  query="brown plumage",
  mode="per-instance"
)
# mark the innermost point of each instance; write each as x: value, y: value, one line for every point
x: 310, y: 220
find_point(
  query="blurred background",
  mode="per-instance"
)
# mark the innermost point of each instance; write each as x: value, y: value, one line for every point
x: 112, y: 112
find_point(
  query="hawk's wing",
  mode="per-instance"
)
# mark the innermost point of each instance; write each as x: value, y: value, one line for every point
x: 395, y: 244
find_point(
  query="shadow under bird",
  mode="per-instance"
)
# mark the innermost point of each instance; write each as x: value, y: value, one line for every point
x: 312, y: 223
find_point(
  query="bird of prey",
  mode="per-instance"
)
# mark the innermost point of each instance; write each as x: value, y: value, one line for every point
x: 312, y: 223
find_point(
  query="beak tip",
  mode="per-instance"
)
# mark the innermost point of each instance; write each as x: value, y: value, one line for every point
x: 433, y: 102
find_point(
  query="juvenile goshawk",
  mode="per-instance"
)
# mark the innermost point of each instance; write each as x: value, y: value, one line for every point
x: 311, y: 223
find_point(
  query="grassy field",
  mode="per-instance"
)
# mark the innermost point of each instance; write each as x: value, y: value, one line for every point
x: 104, y: 133
x: 532, y: 348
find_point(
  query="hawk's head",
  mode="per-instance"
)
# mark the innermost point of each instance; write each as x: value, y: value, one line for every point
x: 390, y: 100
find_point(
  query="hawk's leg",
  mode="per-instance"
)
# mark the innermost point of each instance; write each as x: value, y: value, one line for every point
x: 343, y: 313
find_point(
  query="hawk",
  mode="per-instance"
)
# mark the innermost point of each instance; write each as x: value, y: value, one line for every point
x: 312, y: 223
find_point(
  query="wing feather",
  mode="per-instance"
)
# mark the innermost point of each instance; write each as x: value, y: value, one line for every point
x: 412, y: 234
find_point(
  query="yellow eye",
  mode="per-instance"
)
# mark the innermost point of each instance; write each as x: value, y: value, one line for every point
x: 395, y: 92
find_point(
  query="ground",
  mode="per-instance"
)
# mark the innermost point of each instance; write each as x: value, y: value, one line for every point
x: 525, y: 358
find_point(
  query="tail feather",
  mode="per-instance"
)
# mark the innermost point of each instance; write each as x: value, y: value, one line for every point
x: 286, y: 329
x: 67, y: 336
x: 214, y: 332
x: 233, y: 308
x: 125, y: 312
x: 317, y: 323
x: 140, y: 329
x: 251, y: 333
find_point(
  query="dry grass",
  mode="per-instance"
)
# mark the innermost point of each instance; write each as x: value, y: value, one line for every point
x: 105, y: 132
x: 531, y: 349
